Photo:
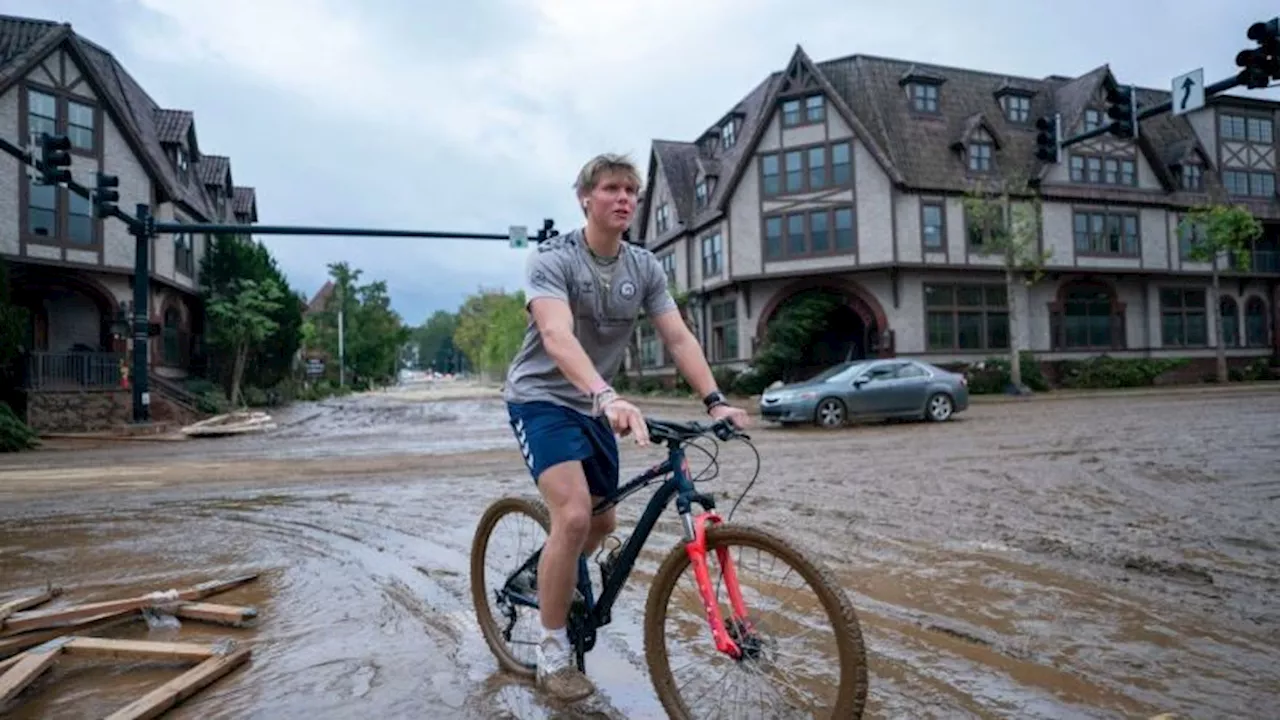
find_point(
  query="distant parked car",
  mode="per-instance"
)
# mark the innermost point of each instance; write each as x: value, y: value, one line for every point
x: 893, y: 388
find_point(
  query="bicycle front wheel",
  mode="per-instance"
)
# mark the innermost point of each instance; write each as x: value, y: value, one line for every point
x: 819, y: 661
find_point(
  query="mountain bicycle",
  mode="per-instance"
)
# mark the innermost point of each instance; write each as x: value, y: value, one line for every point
x: 738, y: 640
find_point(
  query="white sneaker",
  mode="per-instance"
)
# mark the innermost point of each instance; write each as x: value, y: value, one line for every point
x: 557, y: 673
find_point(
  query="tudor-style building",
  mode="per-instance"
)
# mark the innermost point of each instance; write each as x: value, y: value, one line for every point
x: 71, y: 271
x: 849, y: 175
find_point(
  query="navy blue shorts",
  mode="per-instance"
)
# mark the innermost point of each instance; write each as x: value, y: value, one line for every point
x: 550, y: 434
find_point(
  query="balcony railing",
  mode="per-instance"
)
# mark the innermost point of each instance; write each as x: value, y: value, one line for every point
x: 1260, y: 261
x: 73, y: 370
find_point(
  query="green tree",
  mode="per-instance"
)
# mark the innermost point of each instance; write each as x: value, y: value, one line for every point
x: 372, y: 334
x: 229, y: 260
x: 242, y: 320
x: 1217, y: 230
x: 1009, y: 229
x: 491, y: 326
x: 435, y: 341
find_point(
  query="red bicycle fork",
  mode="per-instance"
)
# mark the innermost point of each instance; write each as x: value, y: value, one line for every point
x: 696, y: 547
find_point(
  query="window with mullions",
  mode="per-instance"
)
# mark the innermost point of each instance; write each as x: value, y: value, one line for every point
x: 801, y: 170
x: 724, y: 330
x: 1183, y: 319
x: 1086, y: 317
x: 966, y: 317
x: 1106, y: 233
x: 808, y: 233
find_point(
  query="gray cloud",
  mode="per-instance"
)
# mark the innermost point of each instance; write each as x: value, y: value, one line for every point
x: 472, y: 117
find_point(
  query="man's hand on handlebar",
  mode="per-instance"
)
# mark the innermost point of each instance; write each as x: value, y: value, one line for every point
x: 737, y: 416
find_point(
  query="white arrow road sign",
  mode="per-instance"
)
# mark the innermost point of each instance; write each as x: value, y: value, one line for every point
x: 1188, y: 92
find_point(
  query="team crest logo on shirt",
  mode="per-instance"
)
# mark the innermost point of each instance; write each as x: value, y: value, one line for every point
x: 627, y: 289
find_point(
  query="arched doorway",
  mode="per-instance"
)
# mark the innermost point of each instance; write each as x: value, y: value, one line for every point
x: 852, y: 325
x: 67, y: 312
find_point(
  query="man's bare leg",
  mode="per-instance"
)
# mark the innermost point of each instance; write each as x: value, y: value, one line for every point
x: 564, y: 489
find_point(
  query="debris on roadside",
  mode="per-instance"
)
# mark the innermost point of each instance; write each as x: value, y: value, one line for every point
x: 233, y: 423
x: 32, y: 640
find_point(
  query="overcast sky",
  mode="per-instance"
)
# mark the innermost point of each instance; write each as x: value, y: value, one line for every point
x: 473, y: 116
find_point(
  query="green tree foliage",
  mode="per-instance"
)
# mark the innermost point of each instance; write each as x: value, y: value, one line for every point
x: 1219, y: 229
x: 491, y: 326
x: 789, y: 340
x: 15, y: 435
x: 242, y: 319
x: 229, y: 260
x: 373, y: 334
x: 434, y: 339
x: 1009, y: 229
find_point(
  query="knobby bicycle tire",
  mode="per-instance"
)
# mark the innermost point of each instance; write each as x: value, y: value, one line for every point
x: 480, y: 595
x: 852, y: 696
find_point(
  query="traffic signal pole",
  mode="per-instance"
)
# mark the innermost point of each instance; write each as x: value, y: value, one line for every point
x: 53, y: 167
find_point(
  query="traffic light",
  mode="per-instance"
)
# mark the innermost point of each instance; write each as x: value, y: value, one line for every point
x: 55, y: 158
x: 1260, y: 65
x: 547, y: 231
x: 104, y: 197
x: 1049, y: 138
x: 1123, y: 110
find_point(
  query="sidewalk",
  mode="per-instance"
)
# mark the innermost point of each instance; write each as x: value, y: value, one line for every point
x: 752, y: 404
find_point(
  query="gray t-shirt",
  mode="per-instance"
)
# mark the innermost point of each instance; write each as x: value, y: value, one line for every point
x: 606, y: 303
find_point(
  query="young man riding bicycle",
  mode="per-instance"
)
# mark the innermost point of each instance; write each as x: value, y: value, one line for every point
x: 585, y: 292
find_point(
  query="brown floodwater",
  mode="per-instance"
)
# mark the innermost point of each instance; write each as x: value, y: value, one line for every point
x: 1112, y: 557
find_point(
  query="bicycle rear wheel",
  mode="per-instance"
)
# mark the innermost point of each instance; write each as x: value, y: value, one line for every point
x: 841, y: 677
x: 487, y: 576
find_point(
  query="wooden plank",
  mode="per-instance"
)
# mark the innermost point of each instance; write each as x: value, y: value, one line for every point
x: 158, y: 701
x: 28, y: 602
x: 30, y: 665
x: 38, y: 619
x: 214, y: 613
x: 18, y: 643
x: 138, y: 649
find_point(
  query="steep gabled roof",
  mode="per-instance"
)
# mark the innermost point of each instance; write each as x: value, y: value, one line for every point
x: 215, y: 170
x: 25, y: 42
x: 172, y: 126
x: 245, y: 202
x: 919, y: 150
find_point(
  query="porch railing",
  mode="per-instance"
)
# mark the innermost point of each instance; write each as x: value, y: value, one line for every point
x: 73, y: 370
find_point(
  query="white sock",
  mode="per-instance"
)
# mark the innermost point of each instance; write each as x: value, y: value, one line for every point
x: 560, y: 635
x: 560, y: 656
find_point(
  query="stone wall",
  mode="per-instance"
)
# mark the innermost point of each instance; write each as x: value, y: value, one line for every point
x: 79, y: 411
x: 98, y: 411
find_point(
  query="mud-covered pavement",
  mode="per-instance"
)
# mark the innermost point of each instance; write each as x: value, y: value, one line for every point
x: 1108, y: 557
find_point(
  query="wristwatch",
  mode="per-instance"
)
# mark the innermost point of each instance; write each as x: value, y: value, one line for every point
x: 713, y: 399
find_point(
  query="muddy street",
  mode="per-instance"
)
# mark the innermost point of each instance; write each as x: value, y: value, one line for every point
x: 1090, y: 558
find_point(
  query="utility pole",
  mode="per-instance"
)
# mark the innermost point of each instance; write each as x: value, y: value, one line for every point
x: 342, y: 358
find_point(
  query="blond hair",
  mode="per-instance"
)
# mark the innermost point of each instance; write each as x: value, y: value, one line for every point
x: 601, y: 165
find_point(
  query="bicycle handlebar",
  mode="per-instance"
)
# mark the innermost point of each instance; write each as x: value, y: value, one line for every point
x: 669, y: 430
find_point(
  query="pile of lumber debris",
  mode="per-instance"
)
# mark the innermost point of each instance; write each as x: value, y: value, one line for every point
x: 240, y: 422
x: 31, y: 640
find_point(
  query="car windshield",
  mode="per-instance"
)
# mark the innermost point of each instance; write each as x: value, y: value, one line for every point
x: 834, y: 370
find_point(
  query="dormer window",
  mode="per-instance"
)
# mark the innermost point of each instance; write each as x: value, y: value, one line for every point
x: 1017, y: 108
x: 728, y: 134
x: 1092, y: 119
x: 700, y: 194
x: 924, y: 97
x: 979, y: 153
x: 1191, y: 177
x: 182, y: 161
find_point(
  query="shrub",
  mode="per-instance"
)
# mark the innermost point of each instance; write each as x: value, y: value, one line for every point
x: 15, y: 435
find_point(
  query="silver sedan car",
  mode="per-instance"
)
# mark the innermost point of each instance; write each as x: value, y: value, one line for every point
x: 890, y: 388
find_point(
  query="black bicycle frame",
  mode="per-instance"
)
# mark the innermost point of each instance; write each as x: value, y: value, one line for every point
x: 679, y: 485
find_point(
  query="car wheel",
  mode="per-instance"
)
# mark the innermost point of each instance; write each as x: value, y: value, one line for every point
x: 939, y: 408
x: 829, y: 413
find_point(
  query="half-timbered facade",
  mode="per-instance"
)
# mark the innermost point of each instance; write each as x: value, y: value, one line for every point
x: 849, y: 176
x: 70, y: 270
